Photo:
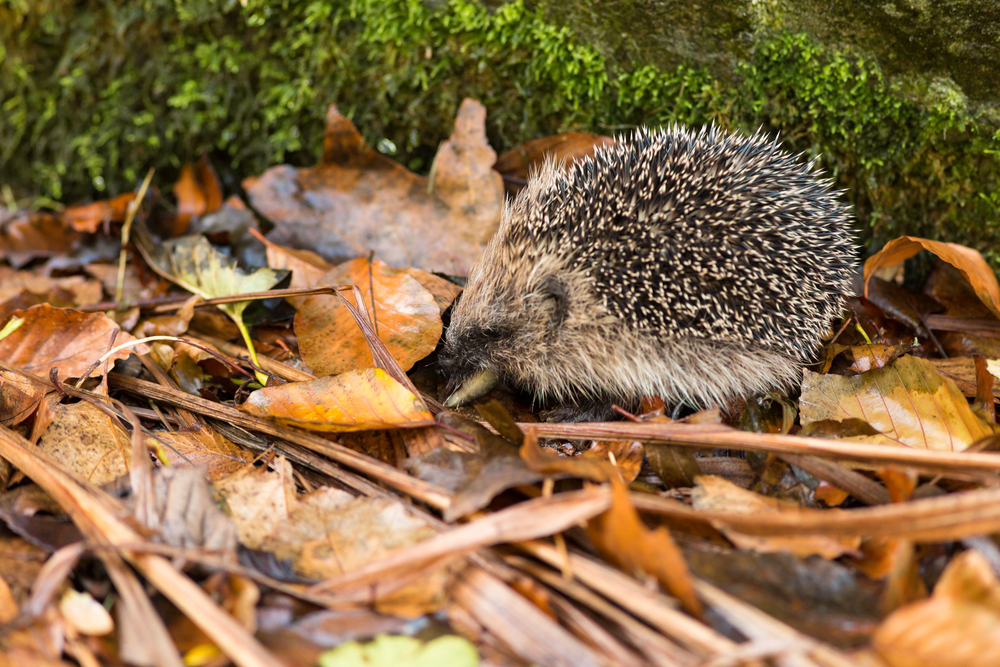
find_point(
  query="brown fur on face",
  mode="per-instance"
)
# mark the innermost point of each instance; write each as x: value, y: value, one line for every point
x: 692, y: 266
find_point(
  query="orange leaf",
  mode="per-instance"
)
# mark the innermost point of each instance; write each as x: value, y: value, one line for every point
x: 407, y: 317
x: 210, y: 185
x: 89, y: 217
x: 191, y: 200
x: 62, y: 338
x: 958, y: 625
x: 355, y: 401
x: 622, y: 538
x: 971, y: 264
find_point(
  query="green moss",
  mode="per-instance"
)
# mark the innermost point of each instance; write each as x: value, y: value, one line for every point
x: 88, y: 105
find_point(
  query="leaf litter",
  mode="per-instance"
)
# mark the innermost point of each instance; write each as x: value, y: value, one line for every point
x: 290, y: 469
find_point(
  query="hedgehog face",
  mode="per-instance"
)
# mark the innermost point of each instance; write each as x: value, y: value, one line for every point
x: 508, y: 331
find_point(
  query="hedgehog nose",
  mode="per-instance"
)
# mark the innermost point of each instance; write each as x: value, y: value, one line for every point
x: 473, y: 387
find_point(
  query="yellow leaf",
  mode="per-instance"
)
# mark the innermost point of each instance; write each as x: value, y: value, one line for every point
x: 908, y: 402
x: 354, y: 401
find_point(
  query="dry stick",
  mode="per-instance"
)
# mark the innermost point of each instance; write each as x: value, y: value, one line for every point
x: 944, y: 518
x: 721, y: 436
x: 433, y: 495
x: 90, y: 513
x: 654, y: 608
x: 642, y: 636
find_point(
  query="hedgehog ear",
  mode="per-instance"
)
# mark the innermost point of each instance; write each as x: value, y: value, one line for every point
x: 555, y: 289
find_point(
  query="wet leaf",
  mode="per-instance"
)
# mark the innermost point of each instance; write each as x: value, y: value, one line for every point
x: 406, y: 315
x: 357, y: 201
x: 908, y: 402
x: 971, y: 264
x: 958, y: 625
x: 715, y: 494
x: 62, y: 338
x: 621, y: 537
x: 354, y: 401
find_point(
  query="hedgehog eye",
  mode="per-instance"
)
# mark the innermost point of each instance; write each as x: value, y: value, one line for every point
x: 555, y: 289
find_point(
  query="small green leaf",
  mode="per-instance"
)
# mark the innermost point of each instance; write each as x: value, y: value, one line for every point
x: 198, y: 267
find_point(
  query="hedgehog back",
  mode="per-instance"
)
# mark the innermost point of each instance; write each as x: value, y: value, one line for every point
x: 700, y: 235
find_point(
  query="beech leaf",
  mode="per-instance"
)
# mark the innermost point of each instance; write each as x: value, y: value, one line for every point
x: 908, y: 402
x: 355, y: 401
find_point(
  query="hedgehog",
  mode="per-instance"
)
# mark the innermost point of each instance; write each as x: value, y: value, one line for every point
x: 696, y: 266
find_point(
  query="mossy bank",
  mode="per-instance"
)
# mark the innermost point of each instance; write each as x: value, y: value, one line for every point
x: 93, y: 93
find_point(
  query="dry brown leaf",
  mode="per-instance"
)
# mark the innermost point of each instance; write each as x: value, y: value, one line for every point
x: 957, y: 627
x: 715, y: 494
x: 331, y: 533
x: 971, y: 264
x: 19, y: 397
x: 908, y: 402
x: 25, y: 236
x: 82, y: 292
x: 89, y: 217
x: 535, y: 518
x: 134, y: 287
x: 517, y: 163
x: 87, y: 442
x: 328, y: 532
x: 20, y: 565
x: 406, y: 314
x: 260, y: 500
x: 355, y: 401
x: 184, y: 513
x: 62, y: 338
x: 357, y: 201
x: 201, y: 446
x: 621, y: 537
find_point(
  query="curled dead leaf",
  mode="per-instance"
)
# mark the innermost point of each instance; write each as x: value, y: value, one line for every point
x: 971, y: 264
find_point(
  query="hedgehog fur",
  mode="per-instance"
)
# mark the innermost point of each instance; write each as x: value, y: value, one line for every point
x: 697, y: 266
